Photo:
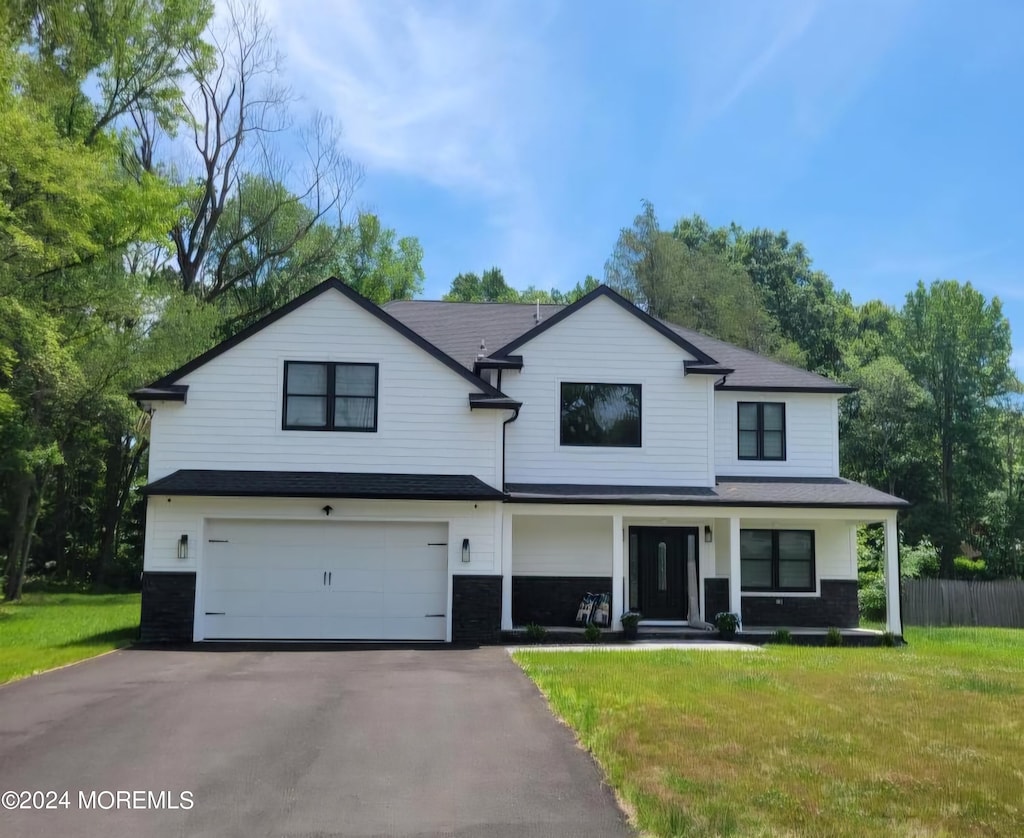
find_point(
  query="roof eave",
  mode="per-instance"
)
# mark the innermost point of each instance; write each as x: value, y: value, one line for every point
x: 512, y: 362
x: 696, y: 368
x: 167, y: 393
x: 835, y: 389
x: 661, y: 500
x: 481, y: 401
x: 154, y: 490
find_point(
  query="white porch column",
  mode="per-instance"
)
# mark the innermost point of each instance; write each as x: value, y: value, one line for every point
x: 617, y: 575
x: 893, y: 616
x: 735, y: 596
x: 506, y: 569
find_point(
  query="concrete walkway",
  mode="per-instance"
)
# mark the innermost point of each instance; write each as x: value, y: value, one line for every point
x: 642, y: 646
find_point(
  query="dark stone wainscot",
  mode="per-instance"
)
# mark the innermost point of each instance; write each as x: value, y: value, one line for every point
x: 168, y: 607
x: 552, y: 600
x: 837, y: 606
x: 476, y: 609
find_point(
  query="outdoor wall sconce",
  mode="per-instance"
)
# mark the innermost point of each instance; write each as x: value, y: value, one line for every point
x: 183, y: 546
x: 708, y: 536
x: 465, y: 549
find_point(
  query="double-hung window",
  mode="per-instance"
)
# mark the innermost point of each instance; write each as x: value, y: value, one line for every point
x: 762, y: 430
x: 330, y: 396
x: 777, y: 560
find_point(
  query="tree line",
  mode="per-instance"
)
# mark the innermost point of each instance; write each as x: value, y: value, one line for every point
x: 936, y: 418
x: 149, y: 207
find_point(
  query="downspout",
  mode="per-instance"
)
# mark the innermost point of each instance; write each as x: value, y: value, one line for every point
x: 504, y: 425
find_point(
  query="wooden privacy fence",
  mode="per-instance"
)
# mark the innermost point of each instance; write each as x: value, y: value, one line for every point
x: 959, y: 602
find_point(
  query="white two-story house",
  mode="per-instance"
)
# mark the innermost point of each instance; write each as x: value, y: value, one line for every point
x: 444, y: 471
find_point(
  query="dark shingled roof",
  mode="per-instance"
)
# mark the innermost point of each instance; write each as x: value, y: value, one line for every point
x: 459, y: 328
x: 826, y: 492
x: 322, y: 484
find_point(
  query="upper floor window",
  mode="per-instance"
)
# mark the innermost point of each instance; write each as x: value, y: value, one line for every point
x: 330, y: 396
x: 762, y: 430
x: 777, y: 560
x: 600, y: 415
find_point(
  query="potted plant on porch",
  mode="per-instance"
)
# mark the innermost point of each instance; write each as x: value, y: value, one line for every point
x: 630, y: 624
x: 726, y: 622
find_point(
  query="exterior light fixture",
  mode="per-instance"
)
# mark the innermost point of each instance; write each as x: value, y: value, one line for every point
x: 465, y: 549
x: 708, y: 536
x: 328, y: 510
x: 183, y: 546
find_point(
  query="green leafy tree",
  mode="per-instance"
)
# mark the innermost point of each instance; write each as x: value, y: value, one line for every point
x: 377, y: 263
x: 692, y: 281
x: 134, y: 56
x: 38, y: 383
x: 804, y: 303
x: 489, y: 287
x: 68, y: 211
x: 956, y: 345
x: 880, y: 430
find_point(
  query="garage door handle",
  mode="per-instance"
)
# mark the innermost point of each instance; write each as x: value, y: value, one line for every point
x: 215, y: 613
x: 330, y: 577
x: 325, y: 577
x: 433, y: 615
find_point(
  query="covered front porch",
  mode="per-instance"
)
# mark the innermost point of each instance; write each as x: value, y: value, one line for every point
x: 678, y: 566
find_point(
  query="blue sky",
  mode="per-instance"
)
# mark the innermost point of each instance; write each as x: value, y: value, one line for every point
x: 887, y: 136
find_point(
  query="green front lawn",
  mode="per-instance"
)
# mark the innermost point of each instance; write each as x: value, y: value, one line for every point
x: 925, y: 740
x: 46, y: 630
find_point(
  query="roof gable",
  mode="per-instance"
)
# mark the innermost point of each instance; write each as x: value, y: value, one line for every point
x: 332, y: 284
x: 603, y: 291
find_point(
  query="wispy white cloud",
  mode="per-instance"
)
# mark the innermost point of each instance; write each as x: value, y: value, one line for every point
x: 478, y: 99
x: 446, y: 93
x: 819, y: 55
x: 462, y: 97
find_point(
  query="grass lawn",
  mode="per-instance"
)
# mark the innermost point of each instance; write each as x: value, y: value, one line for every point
x: 46, y: 630
x: 925, y: 740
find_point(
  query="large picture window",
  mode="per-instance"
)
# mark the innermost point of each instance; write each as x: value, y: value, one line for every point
x: 777, y: 560
x: 600, y: 415
x: 329, y: 396
x: 762, y: 430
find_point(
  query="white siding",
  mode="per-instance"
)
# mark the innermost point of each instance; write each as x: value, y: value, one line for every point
x: 564, y: 546
x: 602, y: 343
x: 233, y: 416
x: 168, y: 518
x: 812, y: 437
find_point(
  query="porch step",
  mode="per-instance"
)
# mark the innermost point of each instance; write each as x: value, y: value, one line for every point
x: 674, y: 633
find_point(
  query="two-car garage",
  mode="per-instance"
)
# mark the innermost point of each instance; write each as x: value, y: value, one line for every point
x: 323, y: 580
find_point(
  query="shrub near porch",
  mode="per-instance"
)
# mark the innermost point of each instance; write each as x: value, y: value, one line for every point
x: 924, y: 740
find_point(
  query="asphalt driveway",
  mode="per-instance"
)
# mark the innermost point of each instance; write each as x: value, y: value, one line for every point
x: 432, y: 741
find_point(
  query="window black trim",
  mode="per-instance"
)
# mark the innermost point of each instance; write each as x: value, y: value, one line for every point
x: 760, y: 432
x: 775, y: 587
x: 330, y: 396
x: 639, y: 418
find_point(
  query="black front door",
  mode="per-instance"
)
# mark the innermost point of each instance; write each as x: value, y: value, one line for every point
x: 657, y: 570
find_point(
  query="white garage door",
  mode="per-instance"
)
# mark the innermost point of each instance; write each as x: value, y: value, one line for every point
x: 277, y: 580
